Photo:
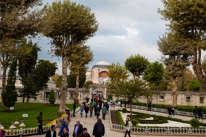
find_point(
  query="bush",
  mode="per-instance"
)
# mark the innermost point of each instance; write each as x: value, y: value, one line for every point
x: 52, y: 97
x: 134, y: 122
x: 120, y: 118
x: 194, y: 123
x: 124, y: 110
x: 156, y: 118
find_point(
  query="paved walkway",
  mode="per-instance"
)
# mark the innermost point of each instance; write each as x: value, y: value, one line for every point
x: 89, y: 124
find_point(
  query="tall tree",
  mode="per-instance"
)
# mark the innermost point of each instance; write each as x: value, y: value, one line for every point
x: 12, y: 48
x: 187, y: 18
x: 71, y: 79
x: 10, y: 96
x: 17, y: 20
x: 68, y: 24
x: 136, y: 64
x: 81, y: 55
x: 176, y: 57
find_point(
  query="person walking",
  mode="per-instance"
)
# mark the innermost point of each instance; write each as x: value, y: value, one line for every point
x: 127, y: 127
x: 91, y: 110
x: 65, y: 133
x: 99, y: 130
x: 84, y: 133
x: 169, y: 110
x: 64, y: 125
x: 195, y: 111
x: 59, y: 123
x: 67, y: 119
x: 125, y: 103
x: 51, y: 132
x: 74, y: 107
x: 200, y: 113
x: 86, y: 110
x: 78, y: 128
x: 2, y: 132
x: 173, y: 111
x: 81, y: 109
x: 149, y: 105
x: 40, y: 123
x: 106, y: 105
x: 121, y: 103
x: 104, y: 111
x: 98, y: 112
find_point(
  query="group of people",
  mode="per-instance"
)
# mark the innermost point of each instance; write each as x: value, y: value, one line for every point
x: 198, y: 112
x: 171, y: 111
x: 126, y: 103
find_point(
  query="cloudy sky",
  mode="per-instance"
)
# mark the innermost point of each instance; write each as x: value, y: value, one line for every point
x: 126, y: 27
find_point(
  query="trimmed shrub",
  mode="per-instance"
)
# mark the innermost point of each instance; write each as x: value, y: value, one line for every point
x: 156, y: 118
x: 52, y: 97
x: 120, y: 118
x: 124, y: 110
x: 134, y: 122
x: 194, y: 122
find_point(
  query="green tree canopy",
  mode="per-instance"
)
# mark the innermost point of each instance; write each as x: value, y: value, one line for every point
x: 194, y: 85
x: 136, y: 64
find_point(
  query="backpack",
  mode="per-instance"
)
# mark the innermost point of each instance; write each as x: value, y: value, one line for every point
x: 99, y: 128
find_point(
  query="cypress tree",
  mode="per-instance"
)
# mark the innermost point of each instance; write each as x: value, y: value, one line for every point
x: 10, y: 96
x: 52, y: 97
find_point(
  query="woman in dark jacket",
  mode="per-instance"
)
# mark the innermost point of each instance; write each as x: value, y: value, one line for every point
x: 86, y: 110
x: 200, y: 113
x: 169, y: 109
x: 98, y: 130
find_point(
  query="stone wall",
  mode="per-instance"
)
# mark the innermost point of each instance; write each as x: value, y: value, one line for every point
x: 184, y: 98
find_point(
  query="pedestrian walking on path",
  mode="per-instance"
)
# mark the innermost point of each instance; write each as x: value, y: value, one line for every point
x: 106, y: 105
x: 169, y: 109
x: 51, y: 132
x: 127, y: 127
x: 74, y: 107
x: 78, y: 128
x: 91, y: 110
x: 98, y: 112
x: 67, y: 119
x: 86, y: 110
x: 104, y: 112
x: 121, y: 103
x: 99, y: 130
x: 65, y: 133
x: 62, y: 128
x: 195, y: 111
x: 81, y: 109
x: 59, y: 123
x: 84, y: 133
x: 40, y: 123
x: 173, y: 111
x: 200, y: 113
x: 149, y: 105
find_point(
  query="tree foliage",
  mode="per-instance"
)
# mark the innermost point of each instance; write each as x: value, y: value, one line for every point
x: 87, y: 84
x: 136, y: 64
x: 52, y: 97
x: 194, y: 85
x: 9, y: 97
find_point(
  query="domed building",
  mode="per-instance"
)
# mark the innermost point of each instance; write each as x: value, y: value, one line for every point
x: 98, y: 72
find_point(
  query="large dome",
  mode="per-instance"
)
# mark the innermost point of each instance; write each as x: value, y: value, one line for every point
x: 101, y: 64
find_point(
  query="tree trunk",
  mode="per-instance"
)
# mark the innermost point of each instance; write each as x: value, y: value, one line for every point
x: 64, y: 85
x: 27, y: 101
x: 23, y: 99
x: 76, y: 100
x: 3, y: 82
x: 130, y: 107
x: 174, y: 91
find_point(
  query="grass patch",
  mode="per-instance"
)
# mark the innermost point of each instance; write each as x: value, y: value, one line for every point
x: 33, y: 110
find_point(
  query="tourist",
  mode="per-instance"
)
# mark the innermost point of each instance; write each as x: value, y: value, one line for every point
x: 67, y: 110
x: 104, y: 111
x: 67, y: 119
x: 81, y: 109
x: 196, y: 111
x: 59, y: 123
x: 91, y: 109
x: 127, y: 127
x: 2, y: 132
x: 173, y: 111
x: 51, y: 132
x: 125, y: 103
x: 65, y: 133
x: 62, y: 128
x: 200, y: 113
x: 106, y: 105
x: 86, y: 110
x: 128, y: 103
x: 169, y: 110
x: 149, y: 105
x: 100, y: 104
x: 98, y: 111
x: 87, y: 99
x: 121, y: 103
x: 74, y: 107
x: 78, y: 128
x: 40, y: 123
x: 98, y: 130
x: 84, y: 133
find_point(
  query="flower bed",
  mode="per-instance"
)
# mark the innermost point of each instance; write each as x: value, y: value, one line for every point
x: 48, y: 104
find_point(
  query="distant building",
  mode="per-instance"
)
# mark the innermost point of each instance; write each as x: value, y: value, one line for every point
x: 98, y: 73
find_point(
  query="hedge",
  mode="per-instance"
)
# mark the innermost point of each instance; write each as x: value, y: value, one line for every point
x: 120, y: 118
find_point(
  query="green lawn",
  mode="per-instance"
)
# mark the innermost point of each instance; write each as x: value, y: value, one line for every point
x: 49, y: 113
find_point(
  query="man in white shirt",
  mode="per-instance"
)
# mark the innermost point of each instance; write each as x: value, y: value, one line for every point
x: 52, y: 132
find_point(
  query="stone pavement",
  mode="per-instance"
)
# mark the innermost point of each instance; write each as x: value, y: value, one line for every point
x: 89, y: 124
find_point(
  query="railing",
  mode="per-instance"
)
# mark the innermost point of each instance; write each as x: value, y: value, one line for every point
x: 32, y: 131
x: 159, y: 130
x: 183, y: 113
